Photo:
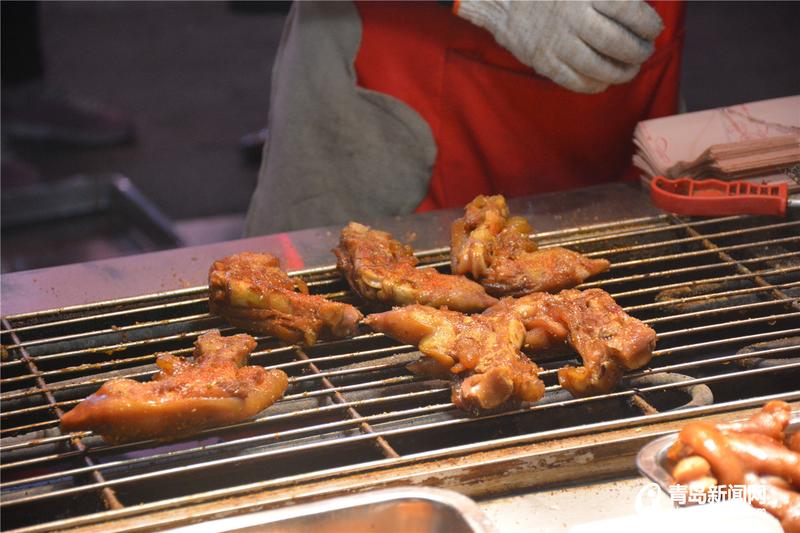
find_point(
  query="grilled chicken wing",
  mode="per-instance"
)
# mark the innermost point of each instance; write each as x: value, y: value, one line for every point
x: 251, y: 292
x: 607, y: 339
x: 498, y: 251
x: 380, y: 268
x: 752, y: 452
x: 186, y: 396
x: 484, y: 350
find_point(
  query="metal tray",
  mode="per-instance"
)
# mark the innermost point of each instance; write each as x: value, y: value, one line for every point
x: 401, y: 510
x: 653, y: 463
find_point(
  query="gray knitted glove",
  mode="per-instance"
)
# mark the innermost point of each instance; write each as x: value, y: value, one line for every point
x: 583, y: 46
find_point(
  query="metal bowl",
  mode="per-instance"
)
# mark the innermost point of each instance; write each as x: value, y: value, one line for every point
x: 402, y: 510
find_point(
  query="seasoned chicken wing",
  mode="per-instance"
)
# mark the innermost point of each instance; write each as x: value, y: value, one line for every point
x: 252, y: 292
x: 484, y: 351
x: 187, y: 395
x: 607, y: 339
x: 752, y: 452
x: 498, y: 251
x: 380, y: 268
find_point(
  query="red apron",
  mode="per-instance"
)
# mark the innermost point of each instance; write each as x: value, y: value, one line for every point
x: 499, y: 127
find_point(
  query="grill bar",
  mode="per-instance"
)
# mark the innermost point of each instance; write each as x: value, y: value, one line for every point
x: 710, y: 312
x: 152, y: 358
x: 713, y: 361
x: 728, y: 324
x: 202, y: 290
x: 351, y: 422
x: 638, y: 262
x: 563, y: 232
x: 640, y: 231
x: 698, y: 253
x: 686, y: 270
x: 107, y: 493
x: 385, y: 433
x: 740, y: 264
x: 289, y: 348
x: 261, y: 420
x: 294, y: 480
x: 312, y: 394
x: 718, y: 342
x: 107, y: 315
x: 709, y: 296
x: 722, y: 325
x: 343, y: 403
x: 384, y: 446
x: 591, y: 284
x: 686, y: 240
x: 112, y: 348
x: 351, y: 401
x: 124, y: 329
x: 660, y: 288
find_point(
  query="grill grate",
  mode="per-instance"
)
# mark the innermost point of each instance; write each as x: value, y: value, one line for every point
x: 723, y: 295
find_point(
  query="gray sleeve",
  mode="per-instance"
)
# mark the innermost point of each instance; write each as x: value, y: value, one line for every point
x: 336, y: 152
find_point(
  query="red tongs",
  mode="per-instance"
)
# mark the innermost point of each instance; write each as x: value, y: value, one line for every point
x: 687, y: 196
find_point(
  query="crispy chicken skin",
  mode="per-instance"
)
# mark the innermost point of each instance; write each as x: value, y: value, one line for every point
x: 252, y: 292
x: 498, y: 251
x: 483, y: 351
x: 608, y: 340
x: 752, y: 452
x: 187, y: 395
x: 380, y: 268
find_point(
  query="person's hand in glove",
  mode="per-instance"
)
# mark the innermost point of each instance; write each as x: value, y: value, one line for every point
x: 583, y: 46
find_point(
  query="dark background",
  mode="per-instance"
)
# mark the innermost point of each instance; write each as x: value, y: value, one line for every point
x: 196, y: 76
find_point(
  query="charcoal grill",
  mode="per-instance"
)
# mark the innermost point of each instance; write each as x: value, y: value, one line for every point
x: 723, y: 295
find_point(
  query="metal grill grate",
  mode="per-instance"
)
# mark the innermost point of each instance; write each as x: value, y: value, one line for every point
x: 723, y: 295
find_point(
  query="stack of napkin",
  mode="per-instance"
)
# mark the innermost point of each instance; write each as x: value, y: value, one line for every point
x: 759, y: 142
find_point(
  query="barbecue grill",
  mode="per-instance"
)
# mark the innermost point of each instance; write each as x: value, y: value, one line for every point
x: 723, y: 295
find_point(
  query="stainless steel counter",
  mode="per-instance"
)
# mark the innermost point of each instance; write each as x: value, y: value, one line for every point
x: 556, y: 511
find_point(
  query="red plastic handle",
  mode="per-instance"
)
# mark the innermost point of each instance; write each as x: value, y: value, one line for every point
x: 686, y: 196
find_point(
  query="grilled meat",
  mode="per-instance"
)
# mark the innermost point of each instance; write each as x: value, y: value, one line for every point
x: 770, y: 421
x: 483, y: 351
x: 475, y: 236
x: 498, y: 251
x: 752, y: 452
x: 608, y: 340
x: 547, y: 270
x: 380, y: 268
x: 251, y: 292
x: 186, y: 396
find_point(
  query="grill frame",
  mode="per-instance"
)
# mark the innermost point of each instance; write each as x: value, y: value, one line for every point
x: 622, y: 435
